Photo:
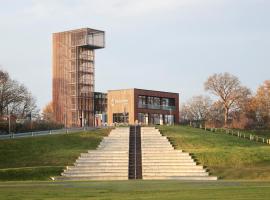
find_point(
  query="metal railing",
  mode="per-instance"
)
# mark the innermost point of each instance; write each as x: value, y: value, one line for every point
x: 47, y: 132
x: 237, y: 133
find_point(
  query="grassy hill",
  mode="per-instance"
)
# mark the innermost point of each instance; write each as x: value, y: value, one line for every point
x: 37, y: 158
x: 225, y: 156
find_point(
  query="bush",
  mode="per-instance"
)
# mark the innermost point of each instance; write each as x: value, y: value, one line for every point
x: 28, y: 126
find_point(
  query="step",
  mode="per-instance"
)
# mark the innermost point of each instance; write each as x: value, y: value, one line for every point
x: 172, y: 170
x: 104, y: 156
x: 101, y: 164
x: 183, y: 178
x: 169, y: 151
x: 100, y: 159
x: 64, y: 178
x: 95, y: 168
x: 168, y: 164
x: 102, y: 174
x: 175, y: 174
x: 112, y: 148
x: 107, y: 151
x: 95, y: 173
x: 103, y: 159
x: 172, y: 167
x: 123, y: 170
x: 166, y: 155
x: 178, y: 160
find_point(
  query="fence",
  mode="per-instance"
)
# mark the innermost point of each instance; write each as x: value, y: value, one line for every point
x: 238, y: 134
x: 48, y: 132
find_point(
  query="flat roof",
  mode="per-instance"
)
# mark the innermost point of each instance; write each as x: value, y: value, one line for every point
x: 80, y: 29
x: 143, y: 90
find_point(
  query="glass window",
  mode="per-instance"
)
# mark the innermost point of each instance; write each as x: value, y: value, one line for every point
x: 143, y: 118
x: 155, y: 118
x: 168, y: 119
x: 120, y: 117
x: 156, y: 101
x: 142, y: 102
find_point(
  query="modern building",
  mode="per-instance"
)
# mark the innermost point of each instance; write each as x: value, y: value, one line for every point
x: 74, y: 75
x: 100, y: 108
x: 132, y: 106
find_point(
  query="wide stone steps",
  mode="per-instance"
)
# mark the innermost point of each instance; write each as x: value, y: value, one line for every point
x: 158, y: 164
x: 108, y: 162
x: 160, y: 161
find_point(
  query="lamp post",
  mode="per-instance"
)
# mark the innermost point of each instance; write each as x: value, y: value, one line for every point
x: 9, y: 121
x: 171, y: 118
x: 9, y: 124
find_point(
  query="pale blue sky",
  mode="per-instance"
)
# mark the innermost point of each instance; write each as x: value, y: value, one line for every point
x: 171, y: 45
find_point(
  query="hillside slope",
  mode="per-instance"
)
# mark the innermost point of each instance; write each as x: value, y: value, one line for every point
x: 38, y: 158
x: 225, y: 156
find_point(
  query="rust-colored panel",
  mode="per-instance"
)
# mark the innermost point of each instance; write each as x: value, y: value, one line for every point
x: 74, y: 75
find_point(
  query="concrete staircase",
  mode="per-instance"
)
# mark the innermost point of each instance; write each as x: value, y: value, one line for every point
x: 161, y: 161
x: 108, y: 162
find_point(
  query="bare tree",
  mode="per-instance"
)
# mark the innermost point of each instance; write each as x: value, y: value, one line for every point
x: 229, y: 89
x: 15, y: 98
x: 215, y: 116
x: 197, y: 108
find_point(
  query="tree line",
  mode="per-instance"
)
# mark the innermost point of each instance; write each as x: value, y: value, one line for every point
x: 18, y: 108
x: 235, y: 105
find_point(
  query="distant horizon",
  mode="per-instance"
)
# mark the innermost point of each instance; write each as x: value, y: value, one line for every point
x: 169, y: 46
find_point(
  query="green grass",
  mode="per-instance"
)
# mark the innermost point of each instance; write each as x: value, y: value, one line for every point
x: 261, y: 133
x: 38, y: 158
x: 226, y: 156
x: 118, y: 190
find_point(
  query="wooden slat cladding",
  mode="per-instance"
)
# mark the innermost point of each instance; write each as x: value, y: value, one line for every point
x: 73, y: 78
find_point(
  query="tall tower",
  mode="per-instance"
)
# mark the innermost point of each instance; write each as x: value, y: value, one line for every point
x: 74, y: 75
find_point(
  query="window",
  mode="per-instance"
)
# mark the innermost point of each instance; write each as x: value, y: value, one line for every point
x: 156, y: 101
x: 168, y: 119
x: 120, y: 117
x: 142, y: 102
x: 143, y: 118
x: 155, y: 118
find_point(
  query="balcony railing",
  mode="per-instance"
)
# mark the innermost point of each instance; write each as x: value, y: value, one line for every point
x: 157, y: 107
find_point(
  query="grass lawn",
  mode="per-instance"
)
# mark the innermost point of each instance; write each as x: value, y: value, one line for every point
x: 260, y: 133
x: 118, y: 190
x: 38, y: 158
x: 226, y: 156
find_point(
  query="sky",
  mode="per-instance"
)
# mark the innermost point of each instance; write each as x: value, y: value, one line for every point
x: 172, y: 45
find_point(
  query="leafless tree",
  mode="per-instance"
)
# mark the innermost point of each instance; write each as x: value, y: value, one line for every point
x: 197, y: 109
x: 230, y: 91
x: 15, y: 98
